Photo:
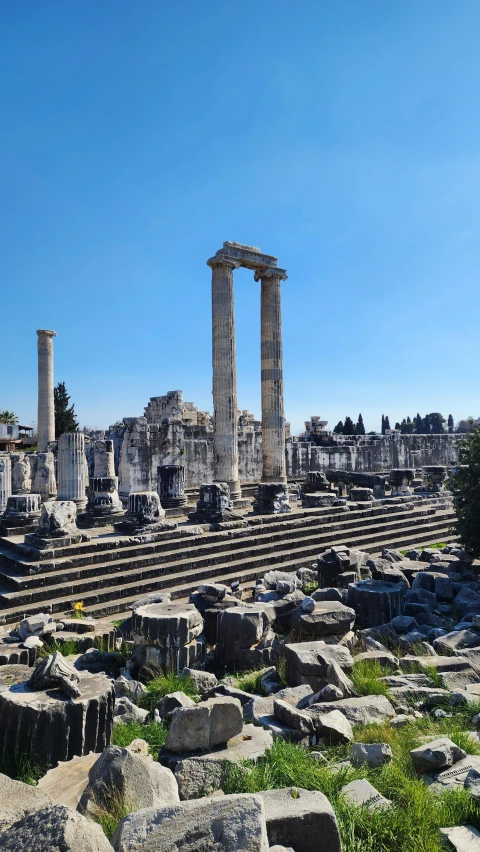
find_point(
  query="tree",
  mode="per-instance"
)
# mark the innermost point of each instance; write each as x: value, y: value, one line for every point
x: 426, y: 424
x: 65, y: 419
x: 387, y: 423
x: 436, y: 423
x: 339, y: 428
x: 360, y: 428
x: 465, y: 484
x: 8, y: 417
x: 349, y: 426
x: 398, y: 425
x: 383, y: 425
x: 418, y: 423
x: 450, y: 424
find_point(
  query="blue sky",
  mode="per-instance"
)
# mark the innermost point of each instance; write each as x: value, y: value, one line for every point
x: 340, y: 135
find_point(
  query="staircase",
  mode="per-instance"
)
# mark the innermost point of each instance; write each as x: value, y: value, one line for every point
x: 109, y: 572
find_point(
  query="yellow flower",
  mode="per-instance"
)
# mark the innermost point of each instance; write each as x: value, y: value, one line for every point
x: 78, y: 607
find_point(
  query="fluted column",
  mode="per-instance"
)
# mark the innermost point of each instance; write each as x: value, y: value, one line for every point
x: 46, y: 409
x: 72, y: 469
x: 5, y: 480
x: 224, y: 374
x: 273, y: 416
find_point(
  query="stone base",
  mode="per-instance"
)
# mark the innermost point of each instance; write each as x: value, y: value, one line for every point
x: 171, y: 657
x: 249, y: 745
x: 38, y: 543
x: 315, y: 499
x: 272, y: 499
x: 45, y: 726
x: 210, y: 517
x: 88, y: 519
x: 131, y: 528
x: 174, y: 502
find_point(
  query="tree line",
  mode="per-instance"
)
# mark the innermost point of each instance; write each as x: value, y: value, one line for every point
x: 348, y: 427
x: 431, y: 424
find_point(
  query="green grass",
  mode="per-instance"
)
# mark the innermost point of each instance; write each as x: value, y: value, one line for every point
x: 23, y: 769
x: 165, y: 683
x: 64, y: 646
x: 434, y: 676
x: 365, y: 677
x: 154, y: 733
x: 309, y: 588
x: 411, y: 825
x: 109, y: 813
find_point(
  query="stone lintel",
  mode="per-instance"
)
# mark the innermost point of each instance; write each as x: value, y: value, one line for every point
x: 221, y: 258
x: 249, y: 257
x: 270, y: 272
x: 47, y: 331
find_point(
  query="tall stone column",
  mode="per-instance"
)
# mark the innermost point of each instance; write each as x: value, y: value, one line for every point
x: 5, y: 481
x: 72, y: 469
x: 225, y: 441
x: 46, y: 410
x: 273, y: 417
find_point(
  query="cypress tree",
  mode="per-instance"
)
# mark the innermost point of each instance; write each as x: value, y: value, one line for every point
x: 349, y: 426
x: 65, y: 419
x: 451, y: 426
x: 387, y: 423
x: 339, y: 428
x: 360, y: 428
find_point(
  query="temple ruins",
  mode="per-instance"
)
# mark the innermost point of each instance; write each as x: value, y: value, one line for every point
x: 140, y: 563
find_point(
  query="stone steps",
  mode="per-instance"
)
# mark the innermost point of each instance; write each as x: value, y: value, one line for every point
x: 206, y: 548
x: 245, y: 558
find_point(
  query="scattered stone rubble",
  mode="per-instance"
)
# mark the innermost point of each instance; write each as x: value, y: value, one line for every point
x: 364, y: 608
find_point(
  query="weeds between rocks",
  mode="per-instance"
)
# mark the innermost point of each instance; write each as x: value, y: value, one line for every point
x: 154, y: 733
x: 23, y: 770
x: 416, y: 814
x: 163, y: 684
x: 365, y: 677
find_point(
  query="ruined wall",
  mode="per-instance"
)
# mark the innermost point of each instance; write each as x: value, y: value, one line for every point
x: 372, y: 453
x: 141, y: 447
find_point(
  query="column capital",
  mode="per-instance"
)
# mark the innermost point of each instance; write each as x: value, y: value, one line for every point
x: 223, y: 260
x: 270, y: 272
x: 46, y: 331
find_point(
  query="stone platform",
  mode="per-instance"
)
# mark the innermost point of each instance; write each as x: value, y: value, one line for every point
x: 111, y: 571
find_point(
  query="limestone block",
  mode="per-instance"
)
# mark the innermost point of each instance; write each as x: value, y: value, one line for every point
x: 375, y: 602
x: 18, y: 799
x: 55, y: 827
x: 307, y: 662
x: 210, y: 723
x: 219, y: 824
x: 166, y: 624
x: 202, y: 680
x: 302, y: 819
x: 463, y: 838
x: 362, y: 793
x: 370, y: 754
x: 171, y: 702
x: 436, y: 755
x: 328, y: 618
x: 333, y: 727
x: 127, y: 778
x: 360, y: 711
x: 65, y: 783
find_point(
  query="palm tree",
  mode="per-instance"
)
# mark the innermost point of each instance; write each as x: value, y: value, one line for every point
x: 8, y: 417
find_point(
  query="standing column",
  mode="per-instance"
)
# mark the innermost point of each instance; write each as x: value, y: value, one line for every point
x: 225, y: 442
x: 46, y: 408
x: 72, y: 469
x: 5, y: 480
x: 273, y: 418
